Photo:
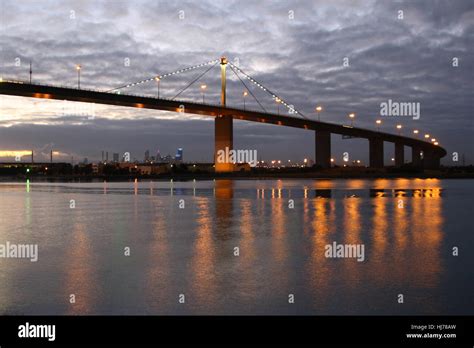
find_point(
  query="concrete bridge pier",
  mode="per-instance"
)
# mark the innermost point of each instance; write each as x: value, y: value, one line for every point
x: 430, y: 160
x: 376, y: 152
x: 223, y: 138
x: 416, y: 157
x: 323, y: 148
x: 399, y: 154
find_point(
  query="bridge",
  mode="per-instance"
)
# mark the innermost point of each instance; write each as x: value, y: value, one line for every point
x: 425, y: 154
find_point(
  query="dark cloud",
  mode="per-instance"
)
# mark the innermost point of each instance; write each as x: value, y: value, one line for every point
x: 294, y: 48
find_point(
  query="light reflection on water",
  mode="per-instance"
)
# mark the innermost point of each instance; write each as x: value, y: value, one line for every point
x: 191, y: 251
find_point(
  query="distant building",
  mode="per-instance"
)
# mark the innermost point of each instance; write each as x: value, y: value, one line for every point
x: 179, y: 155
x: 242, y: 167
x: 95, y: 168
x: 167, y: 159
x: 116, y: 157
x: 147, y: 155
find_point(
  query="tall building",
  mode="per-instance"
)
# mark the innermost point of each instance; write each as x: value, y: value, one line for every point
x: 158, y: 156
x: 116, y: 157
x: 147, y: 155
x: 179, y: 155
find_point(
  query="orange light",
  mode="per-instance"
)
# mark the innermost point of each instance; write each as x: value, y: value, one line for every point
x: 351, y: 115
x: 78, y: 67
x: 378, y: 121
x: 399, y: 126
x: 319, y: 108
x: 416, y: 131
x: 427, y: 136
x: 203, y: 87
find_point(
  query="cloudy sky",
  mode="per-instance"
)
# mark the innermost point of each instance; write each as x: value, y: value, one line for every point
x: 348, y: 56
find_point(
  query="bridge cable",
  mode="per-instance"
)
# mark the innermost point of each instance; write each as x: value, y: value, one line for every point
x: 164, y: 75
x: 196, y: 79
x: 274, y: 96
x: 248, y: 89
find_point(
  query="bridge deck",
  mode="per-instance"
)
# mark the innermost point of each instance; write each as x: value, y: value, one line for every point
x: 15, y: 88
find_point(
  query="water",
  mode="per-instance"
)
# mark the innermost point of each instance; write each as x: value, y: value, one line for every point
x: 407, y: 226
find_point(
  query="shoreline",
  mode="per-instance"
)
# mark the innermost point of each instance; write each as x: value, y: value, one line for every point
x: 236, y: 176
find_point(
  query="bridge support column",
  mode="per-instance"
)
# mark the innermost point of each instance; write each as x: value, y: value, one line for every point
x: 323, y: 148
x: 223, y: 131
x: 430, y: 160
x: 376, y: 153
x: 223, y: 139
x: 399, y: 154
x: 416, y: 157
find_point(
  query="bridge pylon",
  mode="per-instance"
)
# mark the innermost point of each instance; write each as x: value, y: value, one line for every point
x: 223, y: 128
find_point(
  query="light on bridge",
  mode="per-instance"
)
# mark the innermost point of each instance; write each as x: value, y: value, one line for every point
x: 378, y: 122
x: 427, y: 136
x: 352, y: 116
x: 203, y: 90
x: 78, y: 68
x: 278, y: 101
x: 157, y: 79
x: 319, y: 108
x: 399, y: 127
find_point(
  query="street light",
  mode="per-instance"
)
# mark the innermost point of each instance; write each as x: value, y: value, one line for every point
x: 245, y: 94
x: 433, y: 140
x: 319, y: 108
x: 78, y: 68
x: 416, y: 131
x: 399, y: 127
x: 203, y: 90
x: 352, y: 116
x: 157, y: 79
x: 278, y: 101
x: 436, y: 143
x: 427, y: 136
x: 378, y: 122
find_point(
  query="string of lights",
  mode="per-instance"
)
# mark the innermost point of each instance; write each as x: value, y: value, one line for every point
x: 160, y: 77
x: 290, y: 107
